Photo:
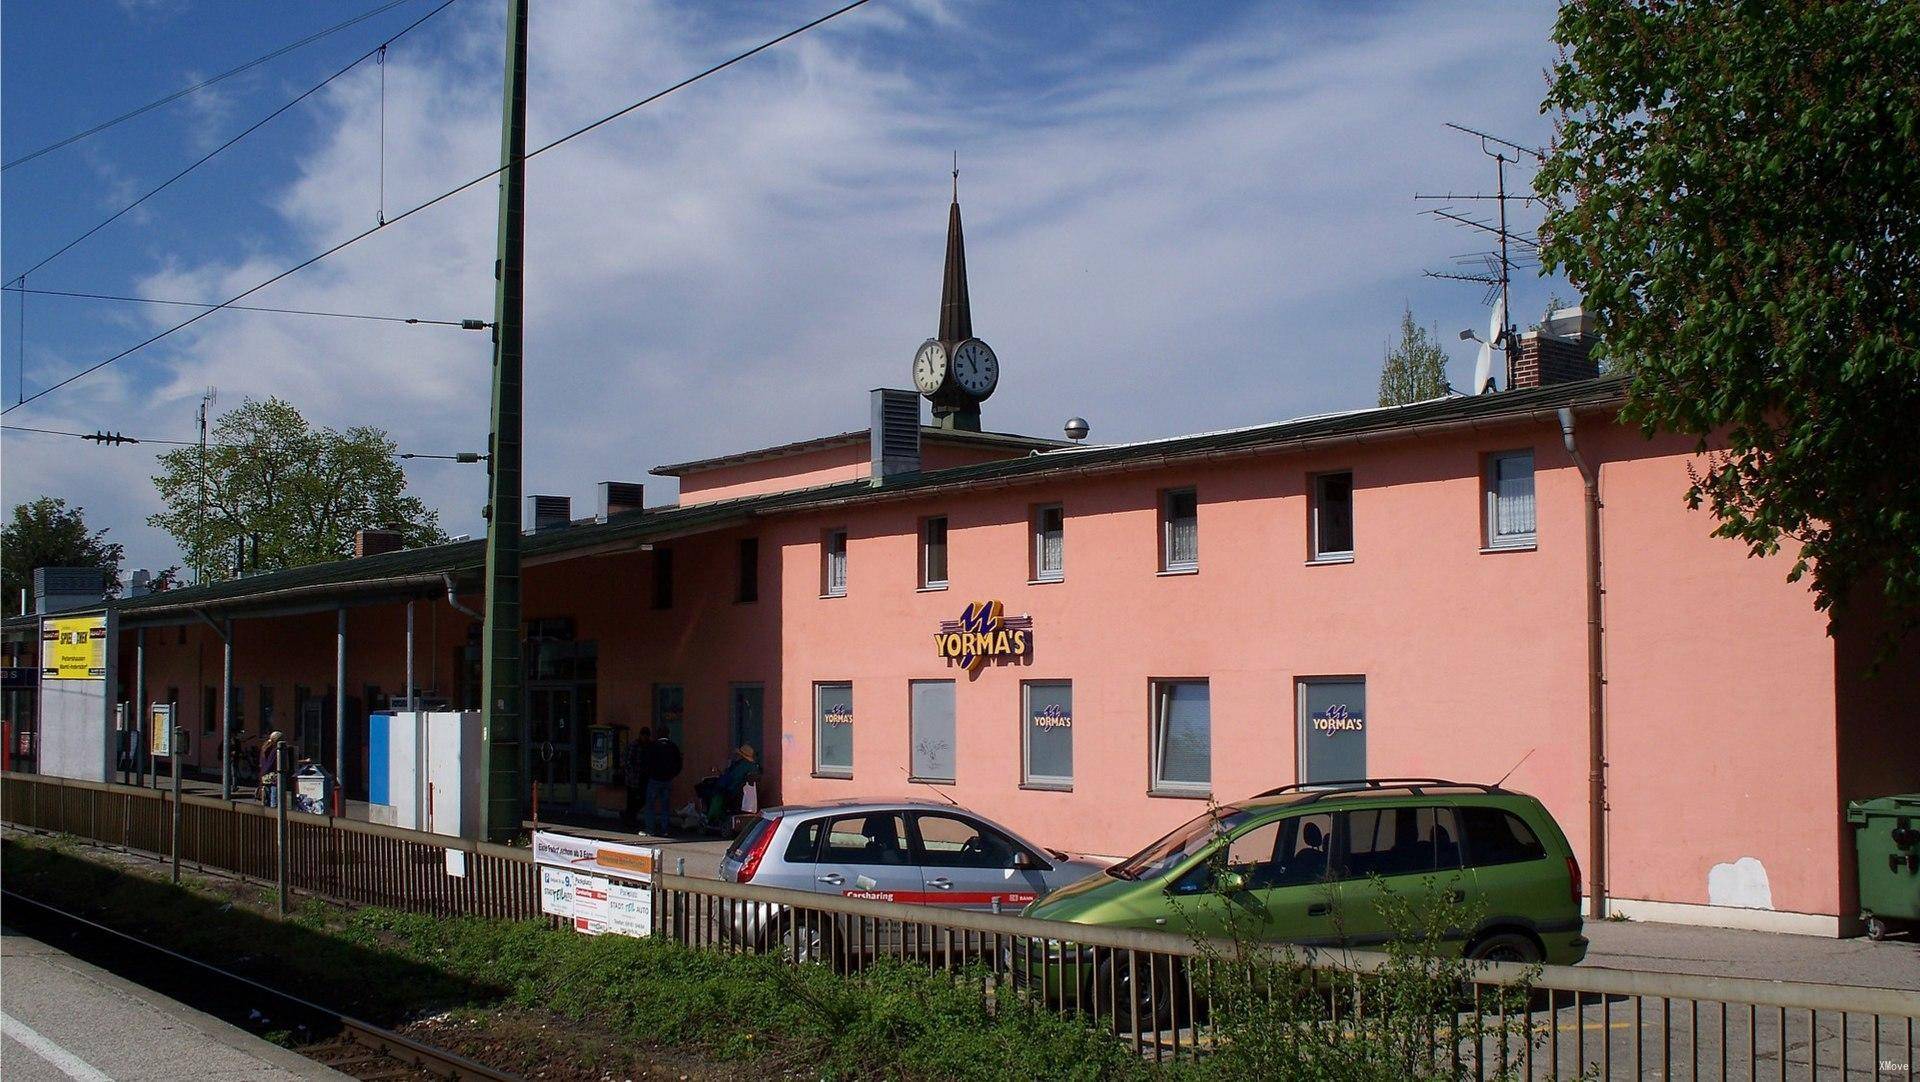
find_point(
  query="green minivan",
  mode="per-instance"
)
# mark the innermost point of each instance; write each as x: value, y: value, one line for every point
x: 1310, y: 865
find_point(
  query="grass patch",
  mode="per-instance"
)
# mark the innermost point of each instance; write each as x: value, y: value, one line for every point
x: 893, y: 1021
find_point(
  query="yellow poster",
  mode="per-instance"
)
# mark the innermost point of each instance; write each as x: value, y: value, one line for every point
x: 74, y: 648
x: 160, y: 729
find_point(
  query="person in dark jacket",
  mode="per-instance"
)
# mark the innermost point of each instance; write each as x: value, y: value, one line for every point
x: 634, y: 773
x: 663, y: 765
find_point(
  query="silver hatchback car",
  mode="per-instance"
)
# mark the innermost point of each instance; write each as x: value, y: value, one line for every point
x: 915, y: 852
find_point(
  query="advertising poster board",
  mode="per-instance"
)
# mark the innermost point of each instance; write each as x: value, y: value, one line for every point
x: 556, y: 892
x: 74, y: 648
x: 160, y: 730
x: 590, y: 904
x: 601, y: 886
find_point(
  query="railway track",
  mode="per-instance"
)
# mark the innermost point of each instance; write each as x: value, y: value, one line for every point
x: 345, y: 1043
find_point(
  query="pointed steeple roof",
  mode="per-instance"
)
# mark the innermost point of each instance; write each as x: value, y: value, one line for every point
x: 956, y: 314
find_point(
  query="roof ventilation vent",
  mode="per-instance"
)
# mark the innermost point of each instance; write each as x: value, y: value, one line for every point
x: 894, y: 432
x: 550, y: 512
x: 620, y: 497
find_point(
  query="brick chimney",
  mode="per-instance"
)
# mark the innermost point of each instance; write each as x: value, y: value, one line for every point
x: 375, y: 542
x: 1559, y: 352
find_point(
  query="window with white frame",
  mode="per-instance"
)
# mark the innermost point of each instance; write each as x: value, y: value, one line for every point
x: 1509, y: 498
x: 1180, y: 530
x: 1182, y: 738
x: 1332, y: 517
x: 1046, y: 743
x: 833, y: 730
x: 1049, y: 543
x: 930, y: 730
x: 933, y: 553
x: 833, y: 563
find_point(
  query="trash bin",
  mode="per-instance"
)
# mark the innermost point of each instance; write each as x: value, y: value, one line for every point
x: 1886, y: 840
x: 313, y: 790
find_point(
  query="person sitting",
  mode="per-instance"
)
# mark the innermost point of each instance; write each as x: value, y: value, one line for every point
x: 725, y: 798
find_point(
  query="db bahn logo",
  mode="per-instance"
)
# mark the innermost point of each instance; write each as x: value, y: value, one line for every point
x: 984, y: 631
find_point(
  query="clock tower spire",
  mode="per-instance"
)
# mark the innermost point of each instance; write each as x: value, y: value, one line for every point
x: 955, y: 370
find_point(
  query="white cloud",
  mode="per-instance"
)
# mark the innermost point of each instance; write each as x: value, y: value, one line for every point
x: 1221, y: 234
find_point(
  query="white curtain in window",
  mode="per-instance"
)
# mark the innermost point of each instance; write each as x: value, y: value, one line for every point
x: 1183, y: 533
x: 1052, y: 543
x: 837, y: 564
x: 1186, y: 735
x: 931, y: 720
x: 1513, y: 495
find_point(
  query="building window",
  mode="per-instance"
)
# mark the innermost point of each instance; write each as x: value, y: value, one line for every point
x: 930, y: 729
x: 749, y: 570
x: 1332, y: 532
x: 1182, y: 738
x: 933, y: 553
x: 1046, y: 726
x: 670, y: 710
x: 1179, y: 530
x: 266, y: 708
x: 1509, y: 484
x: 833, y: 730
x: 662, y: 578
x: 1332, y: 721
x: 1049, y: 543
x: 237, y: 710
x: 209, y: 708
x: 833, y: 564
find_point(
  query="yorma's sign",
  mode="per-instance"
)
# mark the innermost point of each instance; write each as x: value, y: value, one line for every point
x: 984, y: 631
x: 1337, y: 719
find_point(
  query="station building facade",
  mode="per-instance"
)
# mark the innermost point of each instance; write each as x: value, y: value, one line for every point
x: 1089, y: 643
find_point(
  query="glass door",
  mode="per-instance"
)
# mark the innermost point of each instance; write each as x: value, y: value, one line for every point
x: 555, y: 740
x: 748, y: 713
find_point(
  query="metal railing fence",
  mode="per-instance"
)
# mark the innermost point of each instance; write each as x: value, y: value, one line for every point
x: 1152, y: 988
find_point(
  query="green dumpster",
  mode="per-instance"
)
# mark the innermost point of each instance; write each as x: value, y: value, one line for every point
x: 1886, y: 838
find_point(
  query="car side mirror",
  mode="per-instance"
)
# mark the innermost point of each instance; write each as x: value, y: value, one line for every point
x: 1026, y: 862
x: 1229, y: 883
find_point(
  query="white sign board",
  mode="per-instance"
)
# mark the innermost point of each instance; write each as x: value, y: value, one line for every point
x: 556, y: 892
x: 601, y: 886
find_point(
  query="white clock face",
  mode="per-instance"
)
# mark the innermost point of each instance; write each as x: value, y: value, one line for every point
x: 930, y: 367
x: 975, y: 368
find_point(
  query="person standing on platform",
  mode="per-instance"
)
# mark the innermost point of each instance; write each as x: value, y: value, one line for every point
x: 633, y: 772
x: 663, y: 765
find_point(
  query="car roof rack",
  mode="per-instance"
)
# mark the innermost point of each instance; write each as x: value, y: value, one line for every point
x: 1318, y: 789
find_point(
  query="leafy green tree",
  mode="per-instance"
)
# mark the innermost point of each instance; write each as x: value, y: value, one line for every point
x: 293, y: 493
x: 1415, y: 369
x: 48, y: 533
x: 1735, y: 190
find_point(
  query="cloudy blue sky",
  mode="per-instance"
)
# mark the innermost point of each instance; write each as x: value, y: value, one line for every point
x: 1179, y: 217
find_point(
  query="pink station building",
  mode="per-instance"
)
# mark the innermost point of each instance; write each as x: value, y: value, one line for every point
x: 1089, y: 642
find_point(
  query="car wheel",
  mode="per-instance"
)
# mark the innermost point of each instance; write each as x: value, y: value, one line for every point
x: 1505, y: 947
x: 804, y: 938
x: 1142, y: 987
x: 1877, y: 928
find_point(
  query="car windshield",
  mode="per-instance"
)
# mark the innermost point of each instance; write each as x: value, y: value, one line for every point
x: 1162, y: 856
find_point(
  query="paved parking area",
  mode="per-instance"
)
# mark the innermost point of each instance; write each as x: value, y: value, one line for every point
x: 1725, y: 952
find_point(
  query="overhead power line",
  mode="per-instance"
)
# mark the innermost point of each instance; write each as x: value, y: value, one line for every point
x: 201, y: 85
x: 443, y: 196
x: 249, y: 130
x: 464, y: 324
x: 115, y: 439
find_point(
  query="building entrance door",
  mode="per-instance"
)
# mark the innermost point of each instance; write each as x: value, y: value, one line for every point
x: 554, y: 736
x: 748, y: 712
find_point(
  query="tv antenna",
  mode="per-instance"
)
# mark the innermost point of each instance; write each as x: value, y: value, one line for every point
x: 1494, y: 268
